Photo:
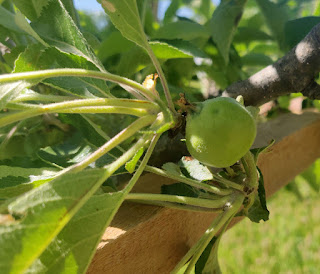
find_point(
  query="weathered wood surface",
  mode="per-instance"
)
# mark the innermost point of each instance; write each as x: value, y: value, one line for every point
x: 148, y: 239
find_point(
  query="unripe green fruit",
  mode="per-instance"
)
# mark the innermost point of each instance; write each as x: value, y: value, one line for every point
x: 220, y: 132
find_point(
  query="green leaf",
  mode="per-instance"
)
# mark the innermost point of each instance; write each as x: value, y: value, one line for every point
x: 171, y: 49
x: 72, y: 151
x: 296, y: 30
x: 223, y: 24
x: 135, y: 59
x: 31, y: 9
x: 15, y: 181
x: 7, y: 20
x: 131, y: 165
x: 40, y: 214
x: 247, y: 35
x: 256, y: 59
x: 257, y: 151
x: 165, y: 51
x: 9, y: 91
x: 124, y: 15
x: 73, y: 248
x: 195, y: 169
x: 23, y: 24
x: 14, y: 186
x: 115, y: 43
x: 180, y: 189
x: 172, y: 168
x: 171, y: 11
x: 185, y: 30
x: 25, y: 172
x: 259, y: 211
x: 35, y: 57
x: 275, y: 16
x: 132, y: 61
x: 88, y: 129
x: 67, y: 38
x: 208, y: 261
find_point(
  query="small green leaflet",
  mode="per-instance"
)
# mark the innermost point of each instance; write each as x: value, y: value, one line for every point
x: 131, y: 165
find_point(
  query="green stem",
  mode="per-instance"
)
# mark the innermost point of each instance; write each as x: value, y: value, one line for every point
x: 227, y: 182
x: 178, y: 206
x: 114, y: 104
x: 116, y: 110
x: 142, y: 165
x: 213, y: 265
x: 163, y: 80
x: 205, y: 203
x: 196, y: 251
x: 42, y: 98
x: 116, y: 140
x: 230, y: 171
x: 194, y: 183
x: 43, y: 74
x: 249, y: 165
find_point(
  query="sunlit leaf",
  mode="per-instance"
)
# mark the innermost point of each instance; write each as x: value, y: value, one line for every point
x: 40, y: 215
x: 73, y: 248
x: 67, y: 38
x: 124, y: 15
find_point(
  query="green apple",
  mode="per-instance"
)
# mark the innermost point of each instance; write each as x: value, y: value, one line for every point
x: 219, y: 132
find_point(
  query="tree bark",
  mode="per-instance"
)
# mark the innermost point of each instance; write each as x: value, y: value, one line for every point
x: 295, y: 72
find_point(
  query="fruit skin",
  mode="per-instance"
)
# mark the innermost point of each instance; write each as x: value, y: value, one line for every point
x: 219, y: 132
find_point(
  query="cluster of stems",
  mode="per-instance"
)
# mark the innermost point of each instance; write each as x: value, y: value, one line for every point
x: 227, y: 201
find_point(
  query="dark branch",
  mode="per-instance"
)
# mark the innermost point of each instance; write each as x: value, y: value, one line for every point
x: 295, y: 72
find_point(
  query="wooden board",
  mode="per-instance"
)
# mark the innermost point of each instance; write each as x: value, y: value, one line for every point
x: 148, y: 239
